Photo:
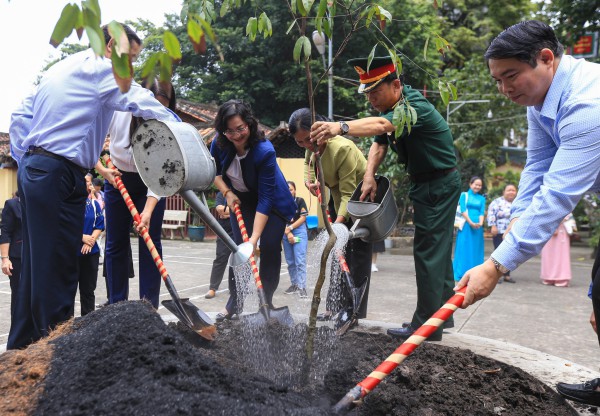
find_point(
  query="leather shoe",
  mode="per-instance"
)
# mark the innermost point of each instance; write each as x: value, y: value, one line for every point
x: 406, y: 332
x: 583, y: 393
x: 210, y: 294
x: 447, y: 324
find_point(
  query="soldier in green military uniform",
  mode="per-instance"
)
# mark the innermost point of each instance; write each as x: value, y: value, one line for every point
x: 428, y: 155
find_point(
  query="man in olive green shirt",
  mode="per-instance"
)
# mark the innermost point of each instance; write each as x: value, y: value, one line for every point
x: 428, y: 155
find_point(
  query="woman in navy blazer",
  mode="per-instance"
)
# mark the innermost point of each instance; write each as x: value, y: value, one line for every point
x: 248, y: 174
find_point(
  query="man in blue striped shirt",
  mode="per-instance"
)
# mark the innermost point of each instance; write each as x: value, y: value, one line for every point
x: 562, y: 95
x: 56, y: 134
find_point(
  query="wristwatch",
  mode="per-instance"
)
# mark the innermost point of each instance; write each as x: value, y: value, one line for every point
x: 345, y: 127
x: 498, y: 266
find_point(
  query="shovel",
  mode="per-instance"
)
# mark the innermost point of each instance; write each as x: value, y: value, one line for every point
x: 183, y: 309
x: 282, y: 314
x: 356, y: 293
x: 356, y: 394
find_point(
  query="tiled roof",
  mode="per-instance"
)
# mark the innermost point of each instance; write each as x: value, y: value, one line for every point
x: 4, y: 148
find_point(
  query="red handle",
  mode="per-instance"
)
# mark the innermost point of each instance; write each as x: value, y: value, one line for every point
x: 408, y: 346
x: 240, y: 220
x: 136, y: 217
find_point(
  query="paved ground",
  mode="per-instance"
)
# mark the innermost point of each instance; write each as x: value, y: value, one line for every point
x: 549, y: 319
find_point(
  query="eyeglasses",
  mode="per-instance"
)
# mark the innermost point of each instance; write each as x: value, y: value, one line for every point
x: 238, y: 131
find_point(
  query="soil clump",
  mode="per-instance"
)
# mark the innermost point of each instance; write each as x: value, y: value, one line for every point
x: 122, y: 359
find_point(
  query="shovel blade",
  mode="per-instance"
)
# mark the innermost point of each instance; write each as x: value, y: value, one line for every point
x: 195, y: 318
x: 281, y: 315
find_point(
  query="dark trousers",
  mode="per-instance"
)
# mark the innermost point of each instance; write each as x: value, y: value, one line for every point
x: 358, y: 256
x: 88, y: 277
x: 497, y: 240
x: 596, y: 289
x: 118, y: 226
x: 270, y: 255
x: 434, y: 204
x: 14, y: 282
x: 53, y: 197
x: 219, y: 264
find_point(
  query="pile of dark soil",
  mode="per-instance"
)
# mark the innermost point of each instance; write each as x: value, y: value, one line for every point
x: 123, y: 359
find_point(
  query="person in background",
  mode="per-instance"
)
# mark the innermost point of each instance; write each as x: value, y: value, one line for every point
x: 556, y: 255
x: 98, y: 192
x: 58, y: 132
x: 295, y: 243
x: 498, y: 218
x: 468, y: 251
x: 248, y: 175
x: 343, y: 168
x: 118, y: 218
x: 378, y: 247
x: 89, y: 255
x: 11, y: 243
x: 222, y: 251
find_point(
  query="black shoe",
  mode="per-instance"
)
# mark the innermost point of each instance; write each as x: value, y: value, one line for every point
x: 447, y: 325
x: 302, y: 293
x: 291, y: 289
x: 583, y: 393
x: 223, y: 316
x: 509, y: 280
x: 406, y: 332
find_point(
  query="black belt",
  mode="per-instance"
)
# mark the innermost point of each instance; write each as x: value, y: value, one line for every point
x: 429, y: 176
x: 39, y: 151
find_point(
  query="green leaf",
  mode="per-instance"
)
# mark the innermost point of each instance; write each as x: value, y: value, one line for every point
x: 79, y: 24
x: 413, y: 114
x: 172, y: 45
x: 121, y: 65
x: 210, y: 11
x: 444, y: 92
x: 293, y: 6
x: 372, y: 11
x: 150, y: 64
x: 120, y: 40
x: 65, y: 25
x: 166, y: 67
x: 453, y: 91
x: 370, y: 57
x: 385, y: 13
x: 398, y: 114
x: 291, y: 27
x: 268, y: 27
x: 224, y: 8
x: 194, y: 30
x: 306, y: 48
x: 96, y: 37
x: 298, y: 49
x: 322, y: 8
x: 208, y: 31
x: 301, y: 8
x: 398, y: 65
x: 94, y: 7
x: 252, y: 28
x: 328, y: 26
x: 425, y: 48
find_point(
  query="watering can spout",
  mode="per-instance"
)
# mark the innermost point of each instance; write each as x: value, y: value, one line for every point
x: 241, y: 255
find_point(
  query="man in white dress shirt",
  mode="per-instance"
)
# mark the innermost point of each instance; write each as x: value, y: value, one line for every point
x: 56, y: 135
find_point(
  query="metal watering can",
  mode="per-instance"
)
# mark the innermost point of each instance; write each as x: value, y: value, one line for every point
x: 373, y: 220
